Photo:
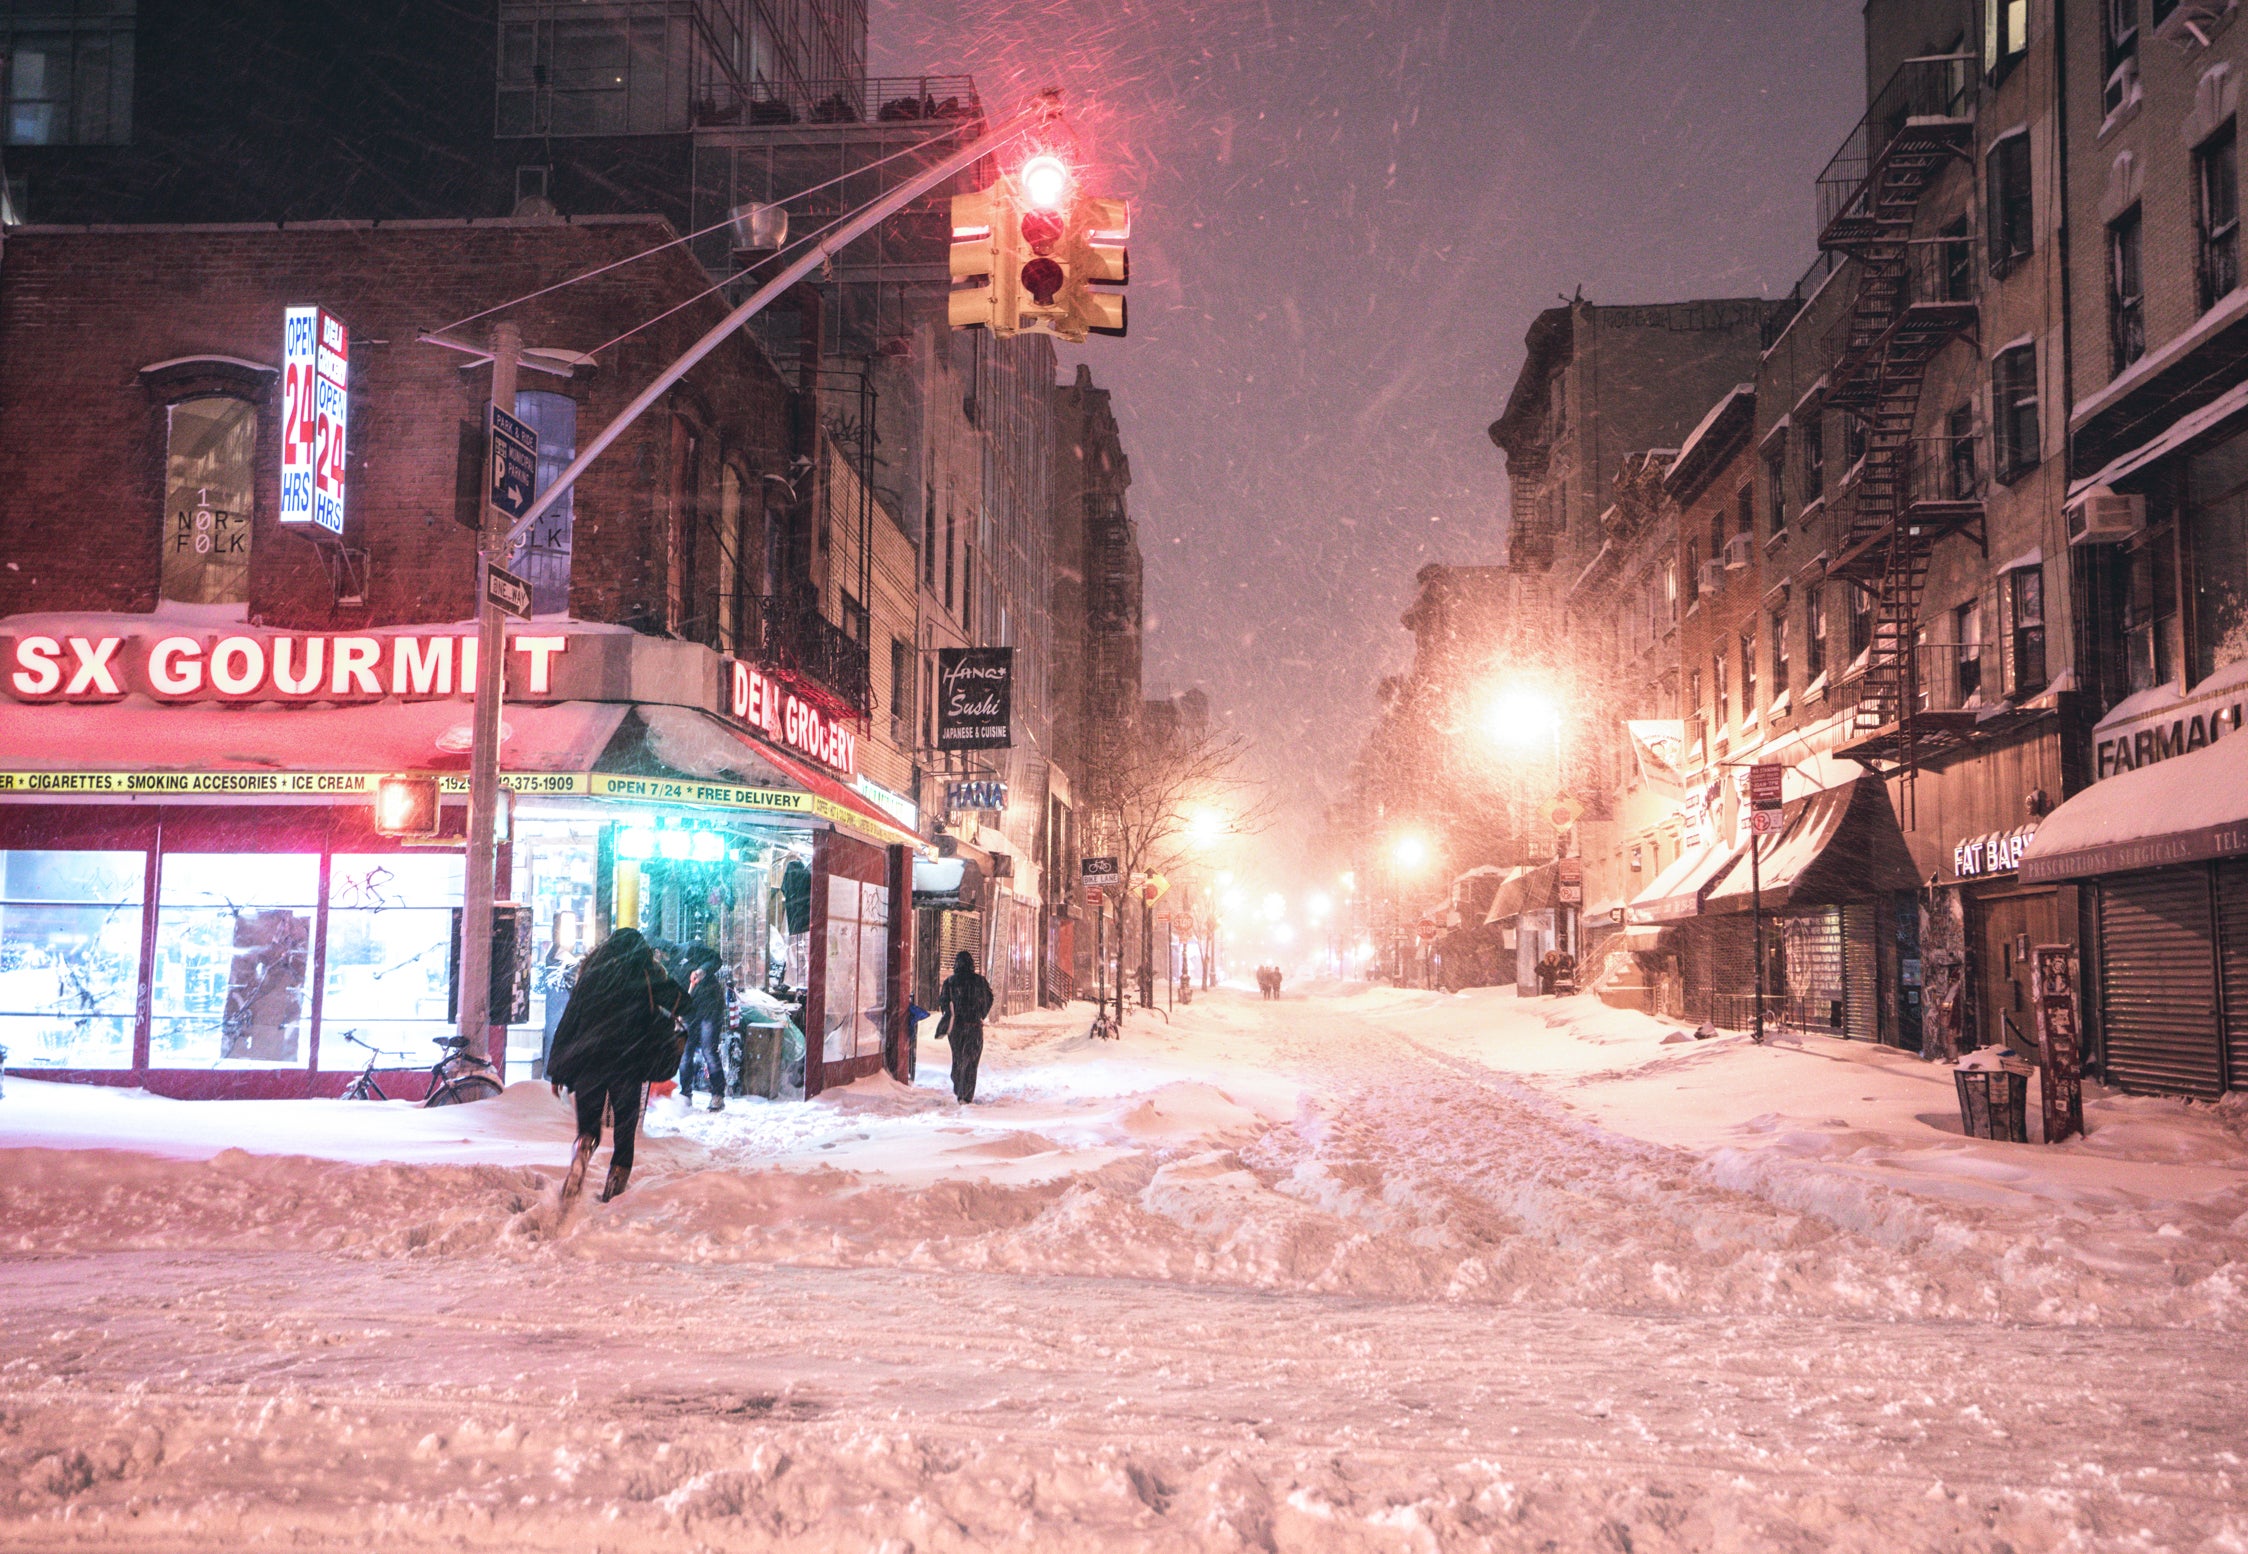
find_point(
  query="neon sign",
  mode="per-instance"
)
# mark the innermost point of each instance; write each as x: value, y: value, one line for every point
x: 315, y: 403
x: 771, y: 709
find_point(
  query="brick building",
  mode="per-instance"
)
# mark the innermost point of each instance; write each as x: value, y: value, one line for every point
x: 681, y: 759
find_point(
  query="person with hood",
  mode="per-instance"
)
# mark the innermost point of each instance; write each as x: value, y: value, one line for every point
x: 962, y: 1003
x: 706, y: 1028
x: 619, y: 1032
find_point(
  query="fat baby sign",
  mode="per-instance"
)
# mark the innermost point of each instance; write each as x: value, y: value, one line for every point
x: 262, y: 667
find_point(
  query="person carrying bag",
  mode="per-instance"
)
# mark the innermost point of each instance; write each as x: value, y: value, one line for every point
x: 620, y: 1032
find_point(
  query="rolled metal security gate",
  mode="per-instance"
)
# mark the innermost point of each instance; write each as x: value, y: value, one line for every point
x: 1861, y: 971
x: 2158, y: 982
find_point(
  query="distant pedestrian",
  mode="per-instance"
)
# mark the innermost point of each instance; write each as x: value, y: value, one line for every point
x: 706, y: 1029
x: 619, y: 1032
x: 1277, y: 978
x: 962, y: 1003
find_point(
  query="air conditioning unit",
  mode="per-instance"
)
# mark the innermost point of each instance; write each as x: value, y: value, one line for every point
x: 1712, y: 577
x: 2193, y: 22
x: 1738, y: 551
x: 2102, y: 516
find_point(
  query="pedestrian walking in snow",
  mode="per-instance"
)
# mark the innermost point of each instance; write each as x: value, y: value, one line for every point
x: 620, y: 1032
x: 962, y: 1003
x: 706, y: 1029
x: 1277, y: 977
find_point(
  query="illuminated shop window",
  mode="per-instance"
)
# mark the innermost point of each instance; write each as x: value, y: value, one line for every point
x: 233, y: 948
x: 390, y: 938
x: 70, y: 931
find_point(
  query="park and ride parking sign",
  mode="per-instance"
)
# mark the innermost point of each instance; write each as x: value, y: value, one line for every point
x: 315, y: 399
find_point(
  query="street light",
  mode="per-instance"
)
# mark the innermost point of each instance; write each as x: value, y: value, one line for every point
x: 1205, y: 828
x: 1412, y: 852
x: 1522, y: 717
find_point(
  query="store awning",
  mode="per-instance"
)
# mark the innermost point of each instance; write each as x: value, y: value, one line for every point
x: 1525, y: 890
x: 1677, y: 892
x: 690, y: 743
x: 2186, y: 809
x: 136, y: 735
x: 1838, y: 844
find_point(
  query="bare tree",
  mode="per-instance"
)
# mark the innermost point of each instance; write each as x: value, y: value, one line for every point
x: 1144, y: 800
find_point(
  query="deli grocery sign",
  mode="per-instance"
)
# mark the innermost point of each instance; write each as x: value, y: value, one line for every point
x: 315, y: 400
x: 770, y: 708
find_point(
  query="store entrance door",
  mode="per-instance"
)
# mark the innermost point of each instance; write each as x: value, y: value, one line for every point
x: 2011, y: 925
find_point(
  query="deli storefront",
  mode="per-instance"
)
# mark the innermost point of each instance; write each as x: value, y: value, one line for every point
x: 194, y: 898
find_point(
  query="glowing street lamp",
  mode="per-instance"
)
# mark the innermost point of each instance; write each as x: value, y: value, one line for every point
x: 1275, y: 907
x: 1411, y: 852
x: 1522, y: 717
x: 1205, y: 827
x: 1318, y: 906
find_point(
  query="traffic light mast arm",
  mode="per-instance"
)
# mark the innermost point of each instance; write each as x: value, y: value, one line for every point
x: 810, y: 260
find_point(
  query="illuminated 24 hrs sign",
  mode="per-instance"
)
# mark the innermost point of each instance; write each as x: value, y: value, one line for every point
x: 766, y: 705
x: 315, y: 398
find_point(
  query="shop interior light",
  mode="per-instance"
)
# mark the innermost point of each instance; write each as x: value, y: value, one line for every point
x: 636, y: 842
x: 707, y: 847
x: 674, y: 844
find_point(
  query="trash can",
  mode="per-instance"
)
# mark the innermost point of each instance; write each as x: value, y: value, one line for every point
x: 761, y: 1061
x: 1993, y: 1103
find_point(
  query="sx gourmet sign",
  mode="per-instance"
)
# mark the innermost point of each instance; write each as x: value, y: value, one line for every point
x: 768, y: 707
x: 246, y: 667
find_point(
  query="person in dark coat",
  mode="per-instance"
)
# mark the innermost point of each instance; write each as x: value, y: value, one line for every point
x: 706, y: 1028
x: 962, y: 1003
x: 619, y: 1032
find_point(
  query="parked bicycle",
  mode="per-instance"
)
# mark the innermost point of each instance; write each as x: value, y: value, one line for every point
x: 455, y: 1078
x: 1105, y: 1028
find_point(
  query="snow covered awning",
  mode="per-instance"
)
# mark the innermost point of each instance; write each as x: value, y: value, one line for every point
x: 1838, y: 844
x: 2185, y: 809
x: 1525, y: 890
x: 1677, y: 892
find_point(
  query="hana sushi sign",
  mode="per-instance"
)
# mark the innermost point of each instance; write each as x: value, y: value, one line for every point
x: 315, y: 403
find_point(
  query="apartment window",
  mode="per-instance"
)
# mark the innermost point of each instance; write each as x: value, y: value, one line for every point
x: 1670, y: 592
x: 1717, y: 534
x: 968, y: 589
x: 1967, y: 653
x: 2006, y: 172
x: 1693, y: 569
x: 929, y: 534
x: 2013, y: 411
x: 2022, y: 609
x: 2216, y: 200
x: 2005, y: 34
x: 1775, y: 482
x: 531, y: 182
x: 2150, y: 609
x: 1721, y: 701
x: 1861, y: 620
x: 1959, y: 454
x: 2127, y: 322
x: 951, y: 554
x: 1814, y: 457
x: 1956, y: 260
x: 1776, y: 631
x: 1694, y: 709
x: 69, y: 75
x: 901, y: 693
x: 1748, y: 674
x: 619, y: 68
x: 210, y: 456
x: 2120, y: 28
x: 1853, y: 438
x: 1815, y: 631
x: 856, y: 622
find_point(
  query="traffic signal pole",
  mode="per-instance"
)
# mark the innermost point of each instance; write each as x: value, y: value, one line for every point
x: 484, y: 748
x: 499, y: 540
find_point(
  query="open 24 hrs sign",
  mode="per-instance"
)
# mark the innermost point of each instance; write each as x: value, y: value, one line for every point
x: 315, y: 397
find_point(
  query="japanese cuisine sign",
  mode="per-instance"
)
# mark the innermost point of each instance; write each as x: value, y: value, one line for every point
x: 315, y: 368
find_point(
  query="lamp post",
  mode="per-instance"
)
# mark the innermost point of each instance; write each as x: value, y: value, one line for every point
x: 1406, y: 856
x: 1522, y: 717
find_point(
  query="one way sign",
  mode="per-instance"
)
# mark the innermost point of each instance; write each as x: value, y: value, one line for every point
x: 515, y: 464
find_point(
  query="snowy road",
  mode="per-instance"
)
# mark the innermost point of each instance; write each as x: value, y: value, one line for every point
x: 1328, y: 1274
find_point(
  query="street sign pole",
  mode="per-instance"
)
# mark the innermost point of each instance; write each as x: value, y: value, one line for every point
x: 484, y: 748
x: 1756, y: 915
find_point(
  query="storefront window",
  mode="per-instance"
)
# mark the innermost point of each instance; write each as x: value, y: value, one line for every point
x: 70, y: 930
x: 858, y: 962
x: 390, y: 935
x: 233, y: 940
x: 210, y: 452
x: 2217, y: 518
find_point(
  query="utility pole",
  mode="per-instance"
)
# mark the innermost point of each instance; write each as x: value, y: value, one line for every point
x: 484, y: 795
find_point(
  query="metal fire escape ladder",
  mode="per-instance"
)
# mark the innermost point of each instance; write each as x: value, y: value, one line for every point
x: 1907, y: 307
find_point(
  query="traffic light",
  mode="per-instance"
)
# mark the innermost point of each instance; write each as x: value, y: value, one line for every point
x: 406, y: 806
x: 1040, y: 248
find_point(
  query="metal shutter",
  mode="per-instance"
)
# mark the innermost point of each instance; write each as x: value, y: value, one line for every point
x: 1861, y: 975
x: 2232, y: 947
x: 2158, y: 982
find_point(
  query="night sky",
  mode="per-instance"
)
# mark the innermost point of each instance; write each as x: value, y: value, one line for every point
x: 1345, y: 216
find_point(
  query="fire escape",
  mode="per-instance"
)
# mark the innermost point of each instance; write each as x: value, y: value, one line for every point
x: 1913, y: 298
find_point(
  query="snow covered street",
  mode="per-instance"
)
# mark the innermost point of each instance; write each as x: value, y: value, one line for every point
x: 1372, y: 1270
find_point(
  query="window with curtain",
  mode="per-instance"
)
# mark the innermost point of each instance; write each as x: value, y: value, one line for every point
x: 210, y: 459
x: 2022, y: 608
x: 1815, y: 631
x: 1776, y: 630
x: 2216, y: 200
x: 70, y: 938
x: 542, y: 556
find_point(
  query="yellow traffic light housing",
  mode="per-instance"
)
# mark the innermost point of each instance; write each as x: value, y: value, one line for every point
x: 406, y: 806
x: 1039, y: 254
